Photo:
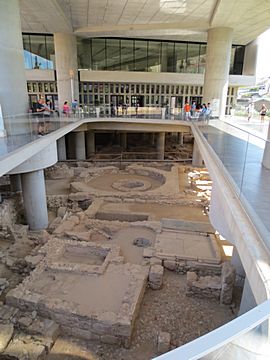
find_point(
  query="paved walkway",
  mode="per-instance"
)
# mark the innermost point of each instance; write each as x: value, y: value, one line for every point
x: 241, y: 154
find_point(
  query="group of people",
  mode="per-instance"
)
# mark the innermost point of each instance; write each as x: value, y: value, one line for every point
x: 197, y: 111
x: 250, y: 111
x: 44, y: 110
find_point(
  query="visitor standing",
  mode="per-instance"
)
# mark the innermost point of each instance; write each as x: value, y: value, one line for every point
x: 193, y: 108
x: 47, y: 114
x: 66, y: 109
x: 187, y: 108
x: 208, y: 112
x: 40, y: 108
x: 203, y: 112
x: 74, y: 106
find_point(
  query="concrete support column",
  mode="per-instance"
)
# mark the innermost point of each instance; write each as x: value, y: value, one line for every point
x: 197, y: 159
x: 161, y: 145
x: 266, y: 153
x: 61, y: 149
x: 66, y: 67
x: 80, y: 152
x: 34, y: 199
x: 15, y: 183
x: 123, y: 140
x: 70, y: 145
x: 90, y: 143
x: 181, y: 138
x: 152, y: 139
x: 248, y: 301
x: 216, y: 77
x: 12, y: 72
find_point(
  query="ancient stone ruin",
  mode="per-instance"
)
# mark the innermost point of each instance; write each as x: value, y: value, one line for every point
x: 127, y: 260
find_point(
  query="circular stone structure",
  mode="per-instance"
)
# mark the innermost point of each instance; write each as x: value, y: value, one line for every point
x: 129, y: 184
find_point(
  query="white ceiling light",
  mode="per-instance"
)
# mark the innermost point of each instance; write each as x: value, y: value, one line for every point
x: 173, y: 6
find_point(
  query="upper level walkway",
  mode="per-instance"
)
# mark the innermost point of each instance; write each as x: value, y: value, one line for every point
x: 22, y: 140
x: 240, y: 151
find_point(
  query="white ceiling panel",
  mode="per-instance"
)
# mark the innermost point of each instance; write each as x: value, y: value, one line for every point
x: 248, y: 18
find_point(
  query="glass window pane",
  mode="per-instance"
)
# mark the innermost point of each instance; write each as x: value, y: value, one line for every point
x: 193, y: 58
x: 98, y: 54
x: 113, y: 54
x: 167, y: 57
x: 50, y: 52
x: 27, y: 52
x: 38, y: 50
x: 237, y: 59
x: 140, y: 51
x: 202, y: 61
x: 154, y: 56
x: 127, y: 55
x: 84, y: 53
x: 232, y: 59
x: 181, y: 57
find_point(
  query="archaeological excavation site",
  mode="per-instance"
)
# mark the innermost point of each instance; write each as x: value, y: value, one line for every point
x: 129, y: 266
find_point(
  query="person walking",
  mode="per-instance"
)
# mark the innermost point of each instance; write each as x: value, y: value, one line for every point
x: 250, y: 111
x: 263, y: 112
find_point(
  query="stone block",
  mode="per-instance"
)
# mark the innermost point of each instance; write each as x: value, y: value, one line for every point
x: 61, y: 211
x: 23, y: 347
x: 155, y: 261
x: 148, y: 252
x: 156, y: 276
x: 163, y: 343
x: 169, y: 264
x: 7, y: 313
x: 6, y: 332
x: 191, y: 278
x: 228, y: 275
x: 33, y: 261
x: 45, y: 327
x: 204, y: 286
x: 24, y: 322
